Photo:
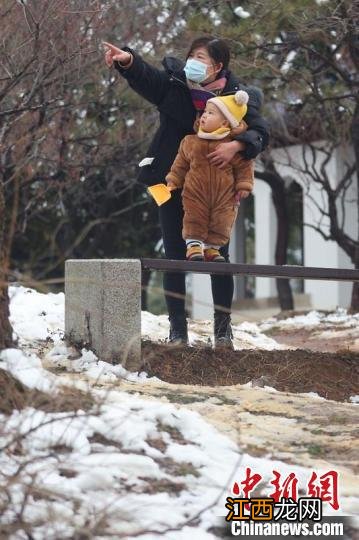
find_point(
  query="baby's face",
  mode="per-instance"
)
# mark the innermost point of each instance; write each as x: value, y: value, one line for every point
x: 212, y: 118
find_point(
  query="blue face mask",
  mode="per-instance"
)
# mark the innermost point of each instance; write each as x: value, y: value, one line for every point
x: 195, y: 70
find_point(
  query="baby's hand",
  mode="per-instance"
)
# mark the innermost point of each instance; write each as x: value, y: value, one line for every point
x: 242, y: 194
x: 171, y: 185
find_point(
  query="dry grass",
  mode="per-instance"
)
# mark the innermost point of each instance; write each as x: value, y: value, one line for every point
x: 14, y: 395
x: 331, y: 375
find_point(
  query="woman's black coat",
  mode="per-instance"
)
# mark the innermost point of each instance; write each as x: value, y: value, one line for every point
x: 167, y: 89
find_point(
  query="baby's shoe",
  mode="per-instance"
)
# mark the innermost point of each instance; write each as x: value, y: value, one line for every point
x: 194, y: 253
x: 213, y: 255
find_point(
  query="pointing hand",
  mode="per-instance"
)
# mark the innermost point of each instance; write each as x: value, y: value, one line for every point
x: 115, y: 54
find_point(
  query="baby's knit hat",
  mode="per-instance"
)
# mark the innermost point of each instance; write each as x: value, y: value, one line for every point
x: 233, y: 107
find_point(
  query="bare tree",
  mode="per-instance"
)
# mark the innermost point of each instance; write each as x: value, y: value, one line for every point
x: 36, y: 62
x: 71, y: 134
x: 5, y: 327
x: 322, y: 115
x: 271, y: 176
x: 306, y: 61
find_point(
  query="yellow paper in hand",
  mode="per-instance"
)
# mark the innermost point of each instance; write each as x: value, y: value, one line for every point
x: 160, y: 192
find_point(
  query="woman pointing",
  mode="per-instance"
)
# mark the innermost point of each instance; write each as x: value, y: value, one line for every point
x: 180, y: 91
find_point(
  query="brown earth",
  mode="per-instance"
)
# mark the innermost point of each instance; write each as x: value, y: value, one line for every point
x: 331, y: 375
x: 323, y: 339
x: 283, y: 425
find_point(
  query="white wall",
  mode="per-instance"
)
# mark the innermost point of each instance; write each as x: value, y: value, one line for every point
x: 201, y: 297
x: 318, y: 251
x: 265, y: 236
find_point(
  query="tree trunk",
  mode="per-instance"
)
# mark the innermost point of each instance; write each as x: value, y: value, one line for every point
x: 5, y: 327
x: 279, y: 197
x: 354, y: 306
x: 283, y: 285
x: 285, y: 295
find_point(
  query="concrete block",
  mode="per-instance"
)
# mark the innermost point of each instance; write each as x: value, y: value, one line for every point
x: 103, y: 308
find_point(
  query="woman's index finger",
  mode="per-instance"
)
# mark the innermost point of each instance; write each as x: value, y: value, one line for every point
x: 112, y: 47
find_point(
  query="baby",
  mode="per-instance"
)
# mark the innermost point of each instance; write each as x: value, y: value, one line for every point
x: 211, y: 195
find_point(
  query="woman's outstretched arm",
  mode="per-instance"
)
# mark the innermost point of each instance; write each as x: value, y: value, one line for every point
x: 148, y: 81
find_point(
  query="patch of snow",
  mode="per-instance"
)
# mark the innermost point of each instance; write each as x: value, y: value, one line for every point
x: 242, y: 13
x: 270, y: 389
x: 295, y: 101
x: 60, y: 356
x: 49, y: 429
x: 312, y: 395
x: 36, y: 316
x: 27, y: 369
x: 288, y: 61
x: 162, y: 17
x: 245, y: 335
x: 154, y: 327
x: 340, y: 316
x: 214, y: 17
x: 314, y: 318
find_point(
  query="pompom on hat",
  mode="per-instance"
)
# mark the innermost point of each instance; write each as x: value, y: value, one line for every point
x: 233, y: 107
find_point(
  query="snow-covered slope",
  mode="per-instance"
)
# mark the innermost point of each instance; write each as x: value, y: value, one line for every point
x: 127, y: 466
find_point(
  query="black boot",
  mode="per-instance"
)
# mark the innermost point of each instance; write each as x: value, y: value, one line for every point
x: 222, y: 330
x: 178, y: 330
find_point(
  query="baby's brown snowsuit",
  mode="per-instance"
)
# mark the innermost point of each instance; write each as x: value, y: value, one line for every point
x: 208, y: 192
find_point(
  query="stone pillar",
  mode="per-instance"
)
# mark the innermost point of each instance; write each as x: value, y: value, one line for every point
x: 103, y: 308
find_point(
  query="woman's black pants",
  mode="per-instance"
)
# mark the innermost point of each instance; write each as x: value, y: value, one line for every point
x: 171, y: 218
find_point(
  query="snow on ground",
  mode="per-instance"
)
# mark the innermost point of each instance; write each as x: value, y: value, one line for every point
x: 336, y: 330
x: 62, y: 356
x: 38, y: 323
x: 112, y: 476
x: 27, y: 368
x: 340, y: 317
x: 111, y: 467
x: 245, y: 335
x: 128, y: 465
x: 36, y: 316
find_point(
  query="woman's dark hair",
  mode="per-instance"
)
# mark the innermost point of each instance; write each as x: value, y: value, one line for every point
x: 216, y: 48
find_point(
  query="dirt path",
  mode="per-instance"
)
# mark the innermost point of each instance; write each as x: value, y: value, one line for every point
x: 298, y: 429
x: 316, y: 433
x: 324, y: 340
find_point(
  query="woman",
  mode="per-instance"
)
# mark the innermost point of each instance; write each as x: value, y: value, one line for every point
x: 180, y: 92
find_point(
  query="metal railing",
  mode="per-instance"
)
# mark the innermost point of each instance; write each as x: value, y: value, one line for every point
x: 260, y: 270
